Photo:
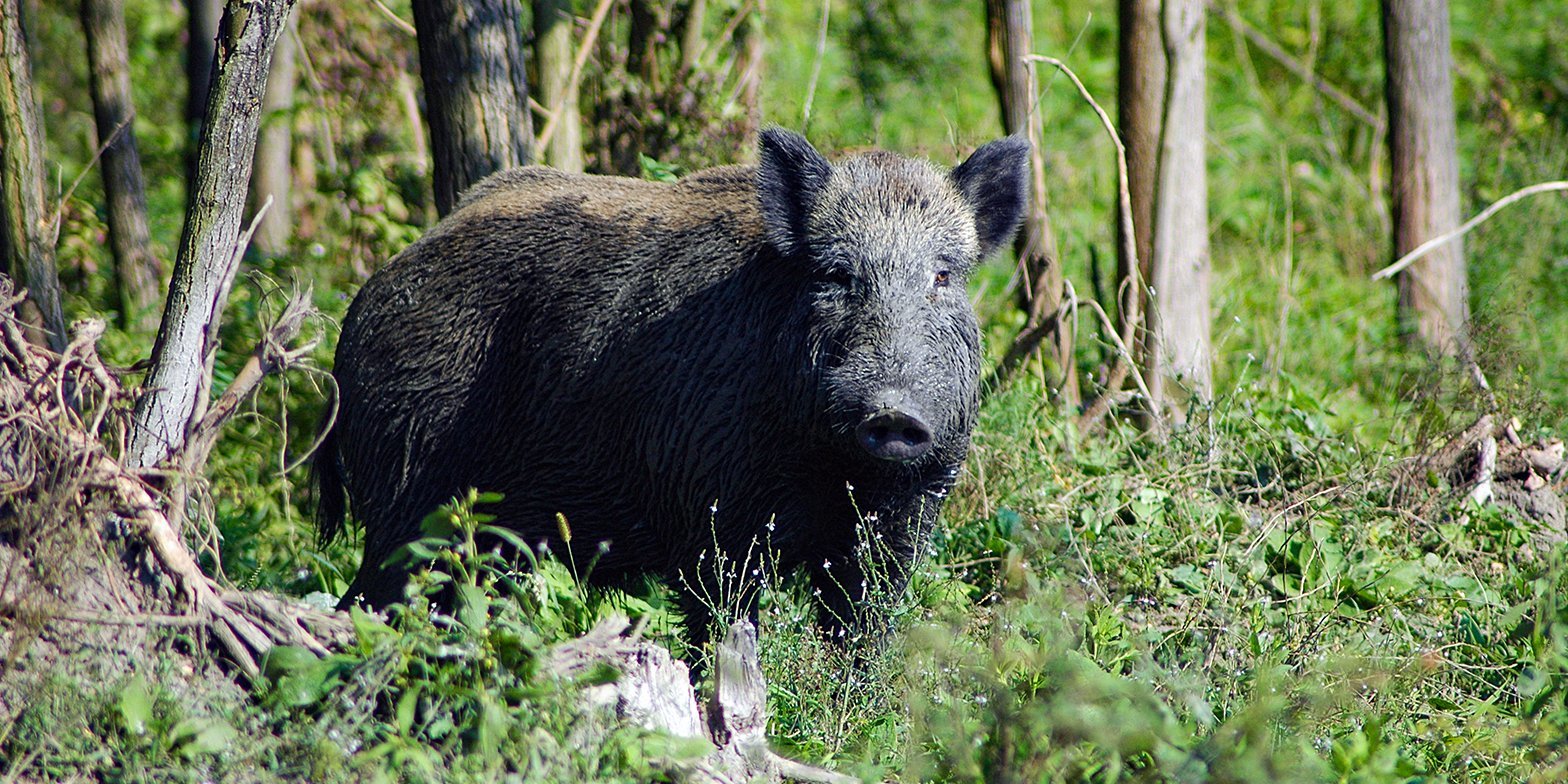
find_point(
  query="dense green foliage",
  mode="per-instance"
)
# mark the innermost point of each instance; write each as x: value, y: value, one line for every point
x: 1260, y: 599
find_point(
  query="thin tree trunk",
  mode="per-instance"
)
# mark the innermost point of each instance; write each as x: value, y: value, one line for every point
x: 29, y: 239
x: 1140, y: 99
x: 695, y: 12
x: 476, y: 91
x: 752, y: 42
x: 553, y: 53
x: 137, y: 273
x: 273, y: 172
x: 201, y: 32
x: 1178, y: 357
x: 1433, y: 292
x: 175, y: 392
x: 1011, y: 35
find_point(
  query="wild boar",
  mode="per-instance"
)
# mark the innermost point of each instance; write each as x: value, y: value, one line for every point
x: 778, y: 359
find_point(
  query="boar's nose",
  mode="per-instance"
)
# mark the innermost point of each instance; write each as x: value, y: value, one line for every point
x: 891, y: 434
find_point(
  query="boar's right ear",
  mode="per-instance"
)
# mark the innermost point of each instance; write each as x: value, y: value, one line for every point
x: 790, y: 176
x: 995, y: 182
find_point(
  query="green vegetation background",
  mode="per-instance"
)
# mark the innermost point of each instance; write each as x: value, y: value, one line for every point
x: 1254, y: 601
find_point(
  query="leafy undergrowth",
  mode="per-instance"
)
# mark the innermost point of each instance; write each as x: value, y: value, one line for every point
x: 1255, y: 601
x: 421, y: 696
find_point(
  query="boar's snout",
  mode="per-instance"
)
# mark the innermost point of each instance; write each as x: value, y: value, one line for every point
x: 893, y: 434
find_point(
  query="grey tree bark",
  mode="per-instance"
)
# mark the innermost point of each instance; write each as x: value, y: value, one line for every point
x: 137, y: 270
x: 175, y: 393
x: 1140, y: 100
x: 201, y: 32
x: 476, y: 91
x: 1011, y: 38
x: 553, y: 53
x: 273, y: 171
x: 1433, y: 292
x: 28, y: 235
x: 751, y: 42
x: 1177, y: 360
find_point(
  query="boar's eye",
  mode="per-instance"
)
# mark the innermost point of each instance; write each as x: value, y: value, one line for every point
x: 942, y: 278
x: 839, y: 277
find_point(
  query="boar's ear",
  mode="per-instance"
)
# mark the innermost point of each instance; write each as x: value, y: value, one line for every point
x: 995, y: 182
x: 790, y: 175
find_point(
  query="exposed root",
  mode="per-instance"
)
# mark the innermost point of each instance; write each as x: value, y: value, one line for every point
x: 61, y: 412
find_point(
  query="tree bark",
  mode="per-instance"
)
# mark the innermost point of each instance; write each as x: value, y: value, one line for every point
x: 1433, y: 293
x: 476, y: 92
x: 553, y: 55
x: 1178, y: 356
x: 201, y: 32
x: 136, y: 268
x: 273, y: 171
x: 175, y: 392
x: 1011, y: 37
x: 29, y: 237
x: 1140, y: 98
x: 751, y: 41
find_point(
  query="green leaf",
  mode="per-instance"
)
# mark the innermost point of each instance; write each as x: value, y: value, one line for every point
x: 135, y: 705
x: 473, y: 606
x: 198, y: 736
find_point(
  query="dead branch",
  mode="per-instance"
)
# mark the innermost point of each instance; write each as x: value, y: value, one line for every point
x: 272, y: 355
x: 1483, y: 216
x: 654, y: 691
x: 1131, y: 318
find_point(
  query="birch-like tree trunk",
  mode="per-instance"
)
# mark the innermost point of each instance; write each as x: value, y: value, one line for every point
x: 29, y: 239
x: 1177, y: 359
x: 1011, y: 37
x: 476, y: 91
x: 273, y: 172
x: 553, y: 53
x: 1433, y: 292
x: 175, y: 392
x: 136, y: 268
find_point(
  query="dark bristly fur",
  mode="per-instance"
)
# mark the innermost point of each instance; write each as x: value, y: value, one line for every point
x: 675, y: 366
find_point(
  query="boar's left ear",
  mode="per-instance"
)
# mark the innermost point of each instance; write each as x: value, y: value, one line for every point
x: 995, y: 182
x: 790, y: 176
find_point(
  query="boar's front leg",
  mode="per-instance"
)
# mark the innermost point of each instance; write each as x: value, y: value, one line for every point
x: 860, y: 592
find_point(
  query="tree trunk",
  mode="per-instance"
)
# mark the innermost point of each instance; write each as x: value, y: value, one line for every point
x: 1140, y: 97
x: 751, y: 40
x: 1178, y: 355
x: 29, y: 239
x: 1011, y: 37
x: 553, y: 55
x: 273, y: 172
x: 1433, y: 296
x: 175, y: 392
x: 201, y: 32
x: 136, y: 269
x: 476, y: 92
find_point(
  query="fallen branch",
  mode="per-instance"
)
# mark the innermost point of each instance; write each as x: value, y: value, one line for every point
x: 655, y: 691
x: 1486, y: 214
